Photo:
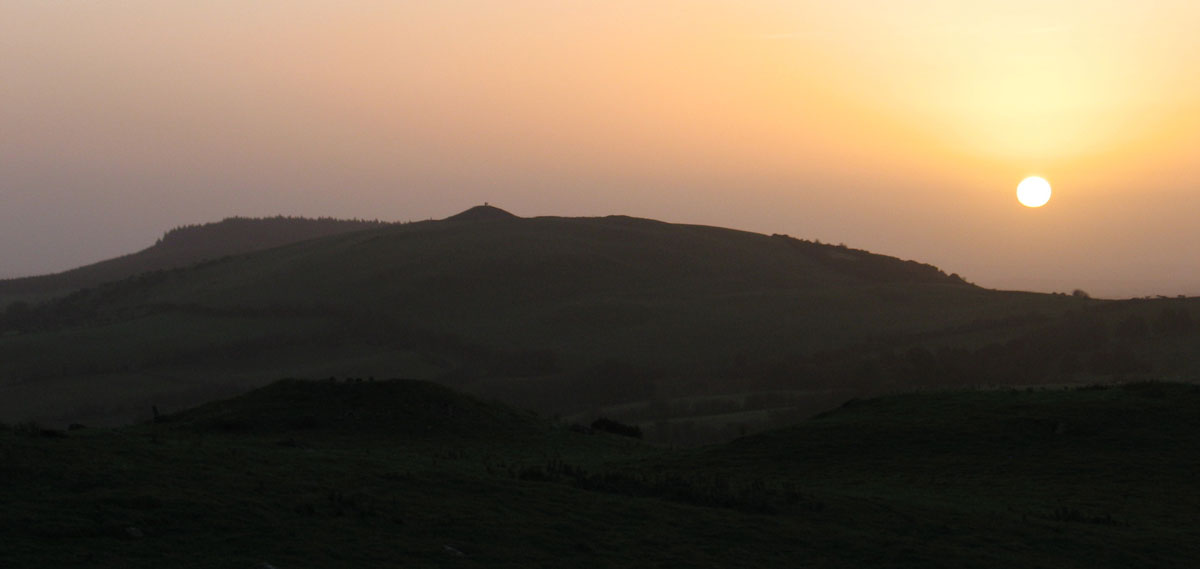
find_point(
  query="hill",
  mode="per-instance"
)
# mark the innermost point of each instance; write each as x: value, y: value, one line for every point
x: 483, y: 212
x: 407, y: 409
x: 181, y: 247
x: 697, y: 333
x: 1095, y: 477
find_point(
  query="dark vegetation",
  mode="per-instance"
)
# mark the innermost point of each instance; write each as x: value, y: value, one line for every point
x: 617, y: 428
x: 401, y: 473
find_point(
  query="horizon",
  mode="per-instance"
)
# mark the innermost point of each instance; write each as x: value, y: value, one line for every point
x: 901, y: 131
x: 816, y: 239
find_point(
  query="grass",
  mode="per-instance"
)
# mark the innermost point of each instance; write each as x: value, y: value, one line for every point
x: 320, y: 474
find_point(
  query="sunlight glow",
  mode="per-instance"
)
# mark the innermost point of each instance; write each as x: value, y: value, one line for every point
x: 1033, y: 192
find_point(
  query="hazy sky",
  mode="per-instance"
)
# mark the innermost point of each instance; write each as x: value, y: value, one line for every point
x: 898, y: 127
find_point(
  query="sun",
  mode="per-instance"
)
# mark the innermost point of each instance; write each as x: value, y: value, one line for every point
x: 1033, y: 192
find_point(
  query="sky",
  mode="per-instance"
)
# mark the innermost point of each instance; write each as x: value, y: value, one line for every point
x: 902, y: 128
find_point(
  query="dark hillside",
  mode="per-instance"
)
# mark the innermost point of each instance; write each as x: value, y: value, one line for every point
x: 551, y: 275
x: 589, y: 290
x: 184, y: 246
x: 565, y: 315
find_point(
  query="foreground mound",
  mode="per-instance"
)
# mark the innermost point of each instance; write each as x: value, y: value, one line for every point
x: 392, y: 407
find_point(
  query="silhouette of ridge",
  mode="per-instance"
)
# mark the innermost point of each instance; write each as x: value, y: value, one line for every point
x: 188, y: 244
x: 483, y: 212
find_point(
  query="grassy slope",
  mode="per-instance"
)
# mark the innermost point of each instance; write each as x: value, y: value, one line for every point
x: 1080, y: 478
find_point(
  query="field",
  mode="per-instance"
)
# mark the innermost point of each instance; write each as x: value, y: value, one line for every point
x: 380, y: 474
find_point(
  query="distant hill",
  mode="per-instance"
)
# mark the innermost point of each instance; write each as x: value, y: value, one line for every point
x: 616, y: 287
x: 483, y: 212
x: 696, y: 333
x: 185, y: 246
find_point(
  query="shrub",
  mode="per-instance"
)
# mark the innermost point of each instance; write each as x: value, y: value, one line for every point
x: 32, y: 429
x: 610, y: 426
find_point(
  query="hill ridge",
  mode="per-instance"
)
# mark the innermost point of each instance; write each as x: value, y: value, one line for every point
x: 186, y: 245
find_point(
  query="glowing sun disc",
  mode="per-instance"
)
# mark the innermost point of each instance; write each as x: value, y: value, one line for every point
x: 1033, y: 192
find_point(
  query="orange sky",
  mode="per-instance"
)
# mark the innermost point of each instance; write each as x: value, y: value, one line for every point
x: 898, y: 127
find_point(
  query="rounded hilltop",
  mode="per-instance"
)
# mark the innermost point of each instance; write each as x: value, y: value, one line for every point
x: 483, y: 212
x: 395, y: 407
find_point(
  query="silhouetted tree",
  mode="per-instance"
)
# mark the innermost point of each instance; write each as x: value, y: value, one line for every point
x: 610, y: 426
